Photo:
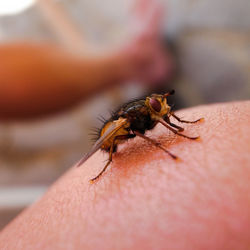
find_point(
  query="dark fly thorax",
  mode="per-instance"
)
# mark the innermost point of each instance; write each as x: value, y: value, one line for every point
x: 138, y: 115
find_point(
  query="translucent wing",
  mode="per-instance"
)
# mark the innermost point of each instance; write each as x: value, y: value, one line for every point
x: 113, y: 128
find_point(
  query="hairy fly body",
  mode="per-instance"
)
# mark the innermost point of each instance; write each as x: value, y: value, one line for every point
x: 134, y: 119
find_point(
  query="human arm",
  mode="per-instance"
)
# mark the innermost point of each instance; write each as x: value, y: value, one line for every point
x: 42, y: 78
x: 39, y: 79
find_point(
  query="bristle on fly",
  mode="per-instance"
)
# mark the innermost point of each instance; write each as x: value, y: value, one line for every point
x: 94, y: 134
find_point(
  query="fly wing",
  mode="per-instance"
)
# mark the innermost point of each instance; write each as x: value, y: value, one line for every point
x: 113, y: 128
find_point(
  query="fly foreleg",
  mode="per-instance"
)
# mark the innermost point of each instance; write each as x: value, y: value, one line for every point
x: 184, y: 121
x: 167, y: 125
x: 180, y: 129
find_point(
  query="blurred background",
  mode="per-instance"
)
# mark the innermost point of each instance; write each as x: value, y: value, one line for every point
x: 207, y: 48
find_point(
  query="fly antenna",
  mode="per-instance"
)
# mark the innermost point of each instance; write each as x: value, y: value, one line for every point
x: 169, y: 93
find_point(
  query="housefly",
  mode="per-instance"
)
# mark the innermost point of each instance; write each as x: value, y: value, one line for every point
x: 134, y: 119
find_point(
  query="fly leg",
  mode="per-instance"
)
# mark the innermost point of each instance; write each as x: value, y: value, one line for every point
x: 180, y: 120
x: 111, y: 151
x: 164, y: 123
x: 180, y: 129
x: 157, y: 144
x: 105, y: 167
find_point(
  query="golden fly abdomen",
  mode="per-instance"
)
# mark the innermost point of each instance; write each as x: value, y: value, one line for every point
x: 112, y: 140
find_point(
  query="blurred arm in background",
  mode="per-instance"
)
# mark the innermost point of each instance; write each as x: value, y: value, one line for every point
x: 39, y: 79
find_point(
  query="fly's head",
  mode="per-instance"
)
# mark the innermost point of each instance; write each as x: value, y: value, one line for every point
x: 158, y: 105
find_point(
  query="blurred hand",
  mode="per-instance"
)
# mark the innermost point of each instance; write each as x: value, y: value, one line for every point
x: 149, y: 60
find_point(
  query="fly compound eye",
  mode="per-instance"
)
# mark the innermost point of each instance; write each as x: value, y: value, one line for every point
x: 155, y: 104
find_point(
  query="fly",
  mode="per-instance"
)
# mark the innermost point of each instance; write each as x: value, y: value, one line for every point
x: 134, y: 119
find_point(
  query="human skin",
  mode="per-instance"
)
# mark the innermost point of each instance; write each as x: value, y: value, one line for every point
x: 145, y: 199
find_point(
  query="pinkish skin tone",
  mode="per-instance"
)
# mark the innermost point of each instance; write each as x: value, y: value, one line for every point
x: 146, y: 200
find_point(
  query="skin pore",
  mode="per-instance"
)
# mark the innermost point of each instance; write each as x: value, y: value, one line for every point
x: 145, y: 199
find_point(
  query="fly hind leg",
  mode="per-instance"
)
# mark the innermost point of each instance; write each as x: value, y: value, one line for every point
x: 111, y: 151
x: 105, y: 167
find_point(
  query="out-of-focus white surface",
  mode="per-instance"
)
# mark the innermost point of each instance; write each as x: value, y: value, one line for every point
x: 10, y: 7
x: 20, y: 196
